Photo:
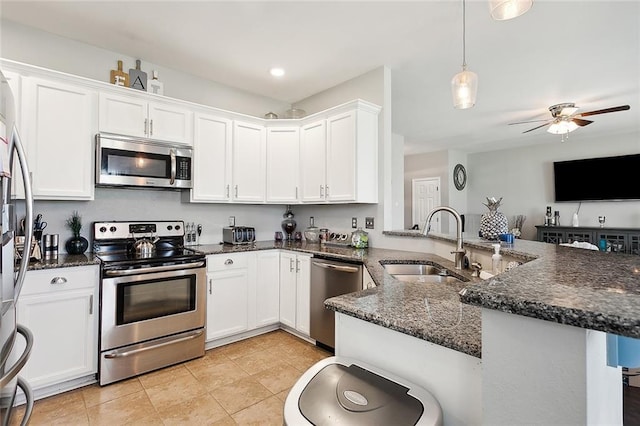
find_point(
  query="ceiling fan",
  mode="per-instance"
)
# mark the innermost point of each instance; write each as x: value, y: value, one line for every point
x: 566, y: 118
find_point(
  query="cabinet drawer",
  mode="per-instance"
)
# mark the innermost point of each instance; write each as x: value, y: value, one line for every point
x: 58, y: 279
x: 223, y: 262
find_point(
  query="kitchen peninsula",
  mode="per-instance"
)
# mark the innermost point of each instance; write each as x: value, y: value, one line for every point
x: 543, y: 344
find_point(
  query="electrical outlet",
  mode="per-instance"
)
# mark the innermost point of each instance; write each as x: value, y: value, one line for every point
x: 368, y: 222
x: 232, y: 221
x: 354, y: 222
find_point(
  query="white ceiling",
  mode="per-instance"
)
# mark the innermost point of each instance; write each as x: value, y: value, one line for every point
x: 587, y: 52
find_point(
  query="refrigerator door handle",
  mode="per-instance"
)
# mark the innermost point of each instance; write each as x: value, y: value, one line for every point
x: 28, y: 222
x: 28, y: 394
x: 15, y: 368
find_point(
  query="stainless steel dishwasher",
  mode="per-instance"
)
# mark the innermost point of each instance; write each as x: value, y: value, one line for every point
x: 328, y: 279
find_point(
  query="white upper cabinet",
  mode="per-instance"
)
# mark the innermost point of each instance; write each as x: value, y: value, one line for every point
x: 135, y: 115
x: 248, y: 164
x: 212, y: 159
x: 60, y: 129
x: 313, y: 161
x: 339, y: 156
x: 283, y: 151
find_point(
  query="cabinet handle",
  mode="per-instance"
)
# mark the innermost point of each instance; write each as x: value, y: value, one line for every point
x: 210, y: 285
x: 296, y: 192
x: 290, y: 265
x: 227, y: 191
x: 146, y: 126
x: 321, y: 191
x: 58, y: 280
x: 228, y: 262
x: 91, y: 305
x: 151, y: 128
x: 236, y: 189
x: 297, y: 265
x: 327, y: 191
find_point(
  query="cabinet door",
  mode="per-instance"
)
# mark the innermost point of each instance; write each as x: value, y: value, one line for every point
x: 268, y: 288
x: 341, y: 157
x: 288, y: 289
x: 313, y: 162
x: 303, y: 294
x: 15, y: 84
x: 227, y: 306
x: 211, y: 171
x: 124, y: 115
x: 60, y: 307
x: 248, y: 165
x: 170, y: 123
x: 60, y: 131
x: 283, y: 152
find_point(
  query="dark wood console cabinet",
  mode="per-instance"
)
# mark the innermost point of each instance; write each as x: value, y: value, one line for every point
x: 625, y: 240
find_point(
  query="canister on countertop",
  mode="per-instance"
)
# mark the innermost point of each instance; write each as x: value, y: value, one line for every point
x: 50, y: 242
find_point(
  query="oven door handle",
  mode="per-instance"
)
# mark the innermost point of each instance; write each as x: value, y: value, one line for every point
x: 125, y: 354
x: 180, y: 267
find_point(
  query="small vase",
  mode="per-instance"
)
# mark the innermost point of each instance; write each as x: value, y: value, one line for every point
x: 493, y: 223
x: 76, y: 245
x: 289, y: 223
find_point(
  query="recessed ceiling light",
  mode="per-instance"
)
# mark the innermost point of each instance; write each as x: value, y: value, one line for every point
x: 277, y: 72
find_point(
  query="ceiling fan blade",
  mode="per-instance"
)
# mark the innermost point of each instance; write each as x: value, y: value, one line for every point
x: 604, y: 111
x: 530, y: 121
x: 535, y: 128
x: 581, y: 122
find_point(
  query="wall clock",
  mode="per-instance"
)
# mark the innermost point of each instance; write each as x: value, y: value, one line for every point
x: 459, y: 177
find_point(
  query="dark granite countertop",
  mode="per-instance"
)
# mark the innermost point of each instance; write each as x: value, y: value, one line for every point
x: 578, y: 287
x: 65, y: 261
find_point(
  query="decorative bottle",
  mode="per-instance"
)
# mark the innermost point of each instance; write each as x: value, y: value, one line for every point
x: 288, y: 224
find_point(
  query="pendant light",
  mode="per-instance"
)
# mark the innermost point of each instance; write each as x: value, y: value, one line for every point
x: 502, y: 10
x: 464, y: 85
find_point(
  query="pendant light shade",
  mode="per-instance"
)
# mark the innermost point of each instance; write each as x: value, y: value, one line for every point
x: 464, y: 87
x: 502, y: 10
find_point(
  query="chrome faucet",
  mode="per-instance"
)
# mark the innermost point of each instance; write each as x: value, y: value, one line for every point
x: 459, y: 251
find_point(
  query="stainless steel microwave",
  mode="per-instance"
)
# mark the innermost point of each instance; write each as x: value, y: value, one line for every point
x: 127, y: 161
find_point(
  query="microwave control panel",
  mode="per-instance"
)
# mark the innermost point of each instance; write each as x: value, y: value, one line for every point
x: 183, y: 168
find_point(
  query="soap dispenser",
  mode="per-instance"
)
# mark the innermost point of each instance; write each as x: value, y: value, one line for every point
x: 496, y: 259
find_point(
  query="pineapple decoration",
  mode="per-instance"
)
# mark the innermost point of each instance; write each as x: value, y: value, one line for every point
x: 494, y: 222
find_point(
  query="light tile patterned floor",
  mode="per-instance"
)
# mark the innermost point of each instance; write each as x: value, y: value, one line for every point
x: 241, y: 383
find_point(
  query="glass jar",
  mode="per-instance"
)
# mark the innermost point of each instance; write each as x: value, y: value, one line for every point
x: 359, y: 238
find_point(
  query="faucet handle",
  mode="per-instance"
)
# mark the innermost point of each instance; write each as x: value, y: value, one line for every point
x: 476, y: 267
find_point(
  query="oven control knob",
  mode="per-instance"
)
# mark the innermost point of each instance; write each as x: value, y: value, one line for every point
x: 177, y: 227
x: 103, y: 229
x: 169, y: 227
x: 112, y: 229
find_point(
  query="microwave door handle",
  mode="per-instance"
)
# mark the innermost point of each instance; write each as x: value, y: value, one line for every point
x: 173, y: 166
x: 28, y: 221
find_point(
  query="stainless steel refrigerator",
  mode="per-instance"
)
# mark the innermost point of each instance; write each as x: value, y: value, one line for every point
x: 12, y: 356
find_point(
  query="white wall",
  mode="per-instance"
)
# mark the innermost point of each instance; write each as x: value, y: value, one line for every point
x: 524, y: 178
x: 36, y: 47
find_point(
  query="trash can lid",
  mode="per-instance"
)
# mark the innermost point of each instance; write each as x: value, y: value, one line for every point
x: 353, y: 395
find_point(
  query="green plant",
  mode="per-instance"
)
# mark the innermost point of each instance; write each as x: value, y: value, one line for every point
x: 74, y: 223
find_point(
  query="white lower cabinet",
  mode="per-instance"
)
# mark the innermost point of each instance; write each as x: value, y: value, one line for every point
x: 60, y: 307
x: 228, y: 286
x: 295, y: 287
x: 268, y: 288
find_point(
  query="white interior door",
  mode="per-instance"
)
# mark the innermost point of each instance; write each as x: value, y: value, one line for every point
x: 425, y: 196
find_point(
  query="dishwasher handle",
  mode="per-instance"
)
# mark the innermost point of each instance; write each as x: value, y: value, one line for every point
x: 341, y: 268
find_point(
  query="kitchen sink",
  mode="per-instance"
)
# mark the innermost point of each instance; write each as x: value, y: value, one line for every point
x: 420, y: 273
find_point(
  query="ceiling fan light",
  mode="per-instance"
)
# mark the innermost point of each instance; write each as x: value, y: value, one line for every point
x: 562, y: 127
x: 501, y: 10
x: 464, y: 87
x: 567, y: 111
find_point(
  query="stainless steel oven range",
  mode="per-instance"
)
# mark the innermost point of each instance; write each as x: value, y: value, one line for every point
x: 152, y: 298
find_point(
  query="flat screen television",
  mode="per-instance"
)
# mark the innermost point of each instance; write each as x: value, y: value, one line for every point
x: 597, y: 179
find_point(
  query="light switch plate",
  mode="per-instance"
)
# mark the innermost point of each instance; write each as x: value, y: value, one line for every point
x: 354, y: 222
x: 368, y: 222
x: 232, y: 221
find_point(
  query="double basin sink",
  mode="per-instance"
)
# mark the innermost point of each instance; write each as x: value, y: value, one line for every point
x: 420, y: 273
